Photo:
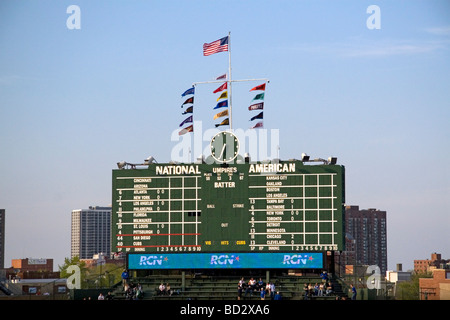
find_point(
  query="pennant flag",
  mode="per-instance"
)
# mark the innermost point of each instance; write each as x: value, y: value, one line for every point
x: 221, y: 104
x: 260, y: 87
x: 256, y: 106
x: 258, y: 125
x: 188, y: 91
x: 188, y: 119
x: 223, y: 123
x: 186, y: 130
x: 189, y: 100
x: 224, y: 76
x: 258, y: 116
x: 189, y: 110
x: 215, y: 46
x: 221, y: 88
x: 223, y: 95
x: 259, y: 97
x: 221, y: 114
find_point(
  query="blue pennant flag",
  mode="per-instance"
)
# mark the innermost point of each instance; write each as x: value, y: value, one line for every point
x: 221, y: 104
x: 258, y: 116
x: 188, y: 119
x: 188, y: 91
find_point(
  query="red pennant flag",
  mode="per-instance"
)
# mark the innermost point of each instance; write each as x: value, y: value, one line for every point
x: 258, y: 125
x: 221, y: 88
x: 256, y: 106
x: 260, y: 87
x: 186, y: 130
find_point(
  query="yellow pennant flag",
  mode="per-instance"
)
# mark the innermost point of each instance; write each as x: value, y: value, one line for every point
x: 221, y: 114
x: 223, y: 95
x: 223, y: 123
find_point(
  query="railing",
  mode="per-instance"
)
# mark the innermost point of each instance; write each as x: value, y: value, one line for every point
x: 5, y: 290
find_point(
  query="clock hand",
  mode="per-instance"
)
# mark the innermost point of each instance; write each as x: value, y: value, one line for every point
x: 223, y: 149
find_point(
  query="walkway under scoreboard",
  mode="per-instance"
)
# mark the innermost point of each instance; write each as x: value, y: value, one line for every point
x: 190, y: 213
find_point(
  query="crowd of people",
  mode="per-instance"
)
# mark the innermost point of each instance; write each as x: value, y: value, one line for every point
x: 164, y: 290
x: 267, y: 290
x: 325, y: 288
x: 245, y: 288
x: 132, y: 291
x: 317, y: 289
x: 258, y: 288
x: 109, y: 296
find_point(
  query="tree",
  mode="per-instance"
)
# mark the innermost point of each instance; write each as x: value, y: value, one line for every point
x: 99, y: 276
x: 77, y: 262
x: 105, y: 275
x: 409, y: 290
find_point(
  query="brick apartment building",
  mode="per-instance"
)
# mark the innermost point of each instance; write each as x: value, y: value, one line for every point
x: 436, y: 262
x: 436, y: 288
x: 365, y: 237
x: 31, y: 268
x: 31, y: 264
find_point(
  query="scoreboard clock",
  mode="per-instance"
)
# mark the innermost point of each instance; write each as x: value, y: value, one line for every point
x: 224, y: 147
x: 286, y: 207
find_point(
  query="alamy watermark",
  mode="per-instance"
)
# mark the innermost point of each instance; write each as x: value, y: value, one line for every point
x: 374, y: 280
x: 74, y: 20
x: 374, y: 20
x: 258, y: 144
x: 74, y: 280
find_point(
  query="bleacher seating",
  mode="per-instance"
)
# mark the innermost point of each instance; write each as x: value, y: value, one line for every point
x: 204, y: 287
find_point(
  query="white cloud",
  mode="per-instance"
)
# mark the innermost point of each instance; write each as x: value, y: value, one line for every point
x: 440, y: 31
x: 381, y: 48
x: 390, y: 49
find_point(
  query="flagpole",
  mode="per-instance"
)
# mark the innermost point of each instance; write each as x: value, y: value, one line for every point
x: 229, y: 78
x: 221, y: 81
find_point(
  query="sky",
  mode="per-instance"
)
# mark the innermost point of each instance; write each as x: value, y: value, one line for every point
x: 83, y: 90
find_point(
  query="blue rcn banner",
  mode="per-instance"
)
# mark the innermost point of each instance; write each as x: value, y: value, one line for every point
x: 225, y: 261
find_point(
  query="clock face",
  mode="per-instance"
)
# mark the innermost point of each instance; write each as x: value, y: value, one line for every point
x: 224, y: 147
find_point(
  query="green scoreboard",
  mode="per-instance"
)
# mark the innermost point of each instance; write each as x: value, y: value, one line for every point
x: 288, y: 206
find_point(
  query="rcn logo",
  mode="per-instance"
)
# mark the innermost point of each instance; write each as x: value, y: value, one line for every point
x: 295, y: 259
x: 151, y: 260
x: 223, y: 259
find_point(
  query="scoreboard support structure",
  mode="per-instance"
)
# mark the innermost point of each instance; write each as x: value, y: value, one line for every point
x: 284, y: 215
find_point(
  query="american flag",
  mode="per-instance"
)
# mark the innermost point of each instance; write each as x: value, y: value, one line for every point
x: 215, y: 46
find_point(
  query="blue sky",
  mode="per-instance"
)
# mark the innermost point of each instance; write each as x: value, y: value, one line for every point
x: 75, y: 102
